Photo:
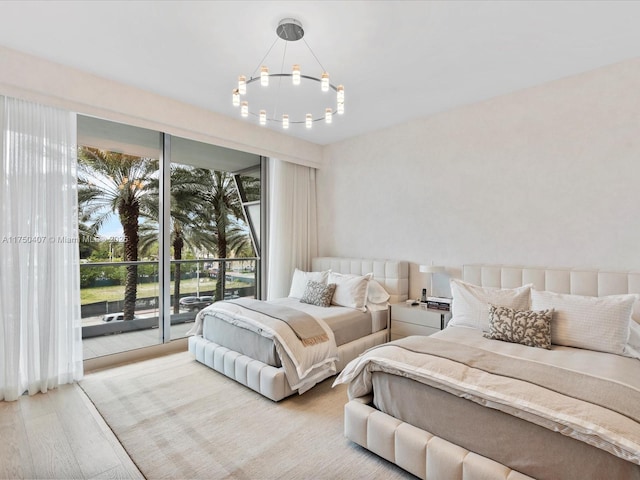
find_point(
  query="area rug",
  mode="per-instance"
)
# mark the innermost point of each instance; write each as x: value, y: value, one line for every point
x: 177, y: 418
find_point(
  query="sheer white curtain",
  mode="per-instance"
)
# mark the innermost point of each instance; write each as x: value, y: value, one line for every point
x: 293, y: 227
x: 40, y: 326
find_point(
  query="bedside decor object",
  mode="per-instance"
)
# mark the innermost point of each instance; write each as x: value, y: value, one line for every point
x: 431, y: 269
x: 289, y: 102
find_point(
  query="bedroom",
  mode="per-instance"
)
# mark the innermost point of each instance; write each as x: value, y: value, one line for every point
x: 544, y: 175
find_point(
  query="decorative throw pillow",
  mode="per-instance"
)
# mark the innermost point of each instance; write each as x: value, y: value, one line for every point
x: 526, y: 327
x: 594, y: 323
x: 351, y: 290
x: 470, y: 304
x: 318, y: 293
x: 300, y: 279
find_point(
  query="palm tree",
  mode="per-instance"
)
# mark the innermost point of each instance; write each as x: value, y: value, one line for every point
x: 187, y: 185
x: 223, y: 213
x: 114, y: 183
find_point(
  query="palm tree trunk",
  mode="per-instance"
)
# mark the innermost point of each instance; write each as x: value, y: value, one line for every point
x: 178, y: 243
x: 222, y: 266
x: 129, y: 218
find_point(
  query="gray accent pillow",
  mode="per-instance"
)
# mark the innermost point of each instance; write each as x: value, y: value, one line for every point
x: 526, y: 327
x: 320, y: 294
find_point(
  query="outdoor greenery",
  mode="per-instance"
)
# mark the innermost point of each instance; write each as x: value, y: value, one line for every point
x: 206, y: 217
x: 115, y: 292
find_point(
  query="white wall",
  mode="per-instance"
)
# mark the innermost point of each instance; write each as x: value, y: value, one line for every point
x: 549, y: 176
x: 32, y: 78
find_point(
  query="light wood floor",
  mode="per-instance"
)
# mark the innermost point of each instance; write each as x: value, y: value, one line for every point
x: 59, y: 435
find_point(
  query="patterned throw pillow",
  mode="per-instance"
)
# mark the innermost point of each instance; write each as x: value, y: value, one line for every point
x: 526, y: 327
x: 319, y: 294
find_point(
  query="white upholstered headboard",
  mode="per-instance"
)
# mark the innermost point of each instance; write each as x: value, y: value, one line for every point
x: 577, y: 282
x: 392, y: 275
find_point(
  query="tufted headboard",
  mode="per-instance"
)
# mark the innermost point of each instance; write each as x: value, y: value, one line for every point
x: 392, y: 275
x: 577, y: 282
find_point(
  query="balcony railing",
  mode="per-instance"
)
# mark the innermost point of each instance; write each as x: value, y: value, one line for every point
x: 103, y: 291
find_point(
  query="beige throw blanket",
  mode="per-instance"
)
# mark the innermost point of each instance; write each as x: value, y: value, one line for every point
x: 602, y: 412
x: 306, y: 327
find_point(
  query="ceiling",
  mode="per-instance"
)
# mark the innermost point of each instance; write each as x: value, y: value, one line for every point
x: 398, y: 60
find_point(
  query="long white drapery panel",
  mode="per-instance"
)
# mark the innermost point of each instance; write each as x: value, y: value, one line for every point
x: 40, y: 325
x: 293, y: 235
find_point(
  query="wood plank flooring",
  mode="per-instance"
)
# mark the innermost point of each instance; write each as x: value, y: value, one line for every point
x: 59, y: 435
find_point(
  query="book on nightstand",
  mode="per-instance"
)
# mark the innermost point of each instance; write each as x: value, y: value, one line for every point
x: 438, y: 303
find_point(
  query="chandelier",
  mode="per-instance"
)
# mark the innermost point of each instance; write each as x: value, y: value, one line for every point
x: 288, y: 98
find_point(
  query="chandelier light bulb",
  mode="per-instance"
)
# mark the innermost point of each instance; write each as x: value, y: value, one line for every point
x: 242, y: 85
x: 263, y: 117
x: 296, y: 75
x: 340, y: 108
x: 328, y: 115
x: 264, y: 76
x: 309, y: 120
x: 236, y: 97
x: 285, y: 121
x: 324, y: 83
x: 244, y: 109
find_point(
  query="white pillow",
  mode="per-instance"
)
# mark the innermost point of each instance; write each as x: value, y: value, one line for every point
x: 594, y: 323
x: 376, y: 293
x: 351, y: 290
x: 632, y: 349
x: 300, y: 279
x: 470, y: 303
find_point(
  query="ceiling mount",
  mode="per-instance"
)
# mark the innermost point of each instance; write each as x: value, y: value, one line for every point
x: 290, y: 29
x: 305, y: 106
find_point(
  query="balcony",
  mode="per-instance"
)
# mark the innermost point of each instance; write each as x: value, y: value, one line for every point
x: 104, y: 331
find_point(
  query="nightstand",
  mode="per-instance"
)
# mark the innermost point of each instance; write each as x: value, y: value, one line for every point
x: 416, y: 320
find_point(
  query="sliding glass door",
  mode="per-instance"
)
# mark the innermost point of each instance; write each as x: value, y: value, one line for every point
x: 169, y: 225
x: 211, y: 243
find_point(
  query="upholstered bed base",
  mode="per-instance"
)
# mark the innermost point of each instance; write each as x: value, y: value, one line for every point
x: 265, y: 379
x: 415, y: 450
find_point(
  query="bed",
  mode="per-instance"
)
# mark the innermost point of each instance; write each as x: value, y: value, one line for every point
x: 260, y: 353
x: 459, y: 405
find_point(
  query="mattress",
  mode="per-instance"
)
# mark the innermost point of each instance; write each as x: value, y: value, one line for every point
x: 347, y: 325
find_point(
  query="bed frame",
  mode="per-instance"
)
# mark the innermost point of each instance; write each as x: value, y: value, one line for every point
x: 271, y: 381
x: 431, y: 457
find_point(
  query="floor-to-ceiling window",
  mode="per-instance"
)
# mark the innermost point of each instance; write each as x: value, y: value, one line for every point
x: 212, y: 243
x: 169, y: 225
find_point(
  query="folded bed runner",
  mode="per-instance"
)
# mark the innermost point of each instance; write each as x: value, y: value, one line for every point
x: 601, y: 412
x: 306, y: 327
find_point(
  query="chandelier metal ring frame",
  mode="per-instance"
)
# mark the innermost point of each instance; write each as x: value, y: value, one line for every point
x: 290, y: 30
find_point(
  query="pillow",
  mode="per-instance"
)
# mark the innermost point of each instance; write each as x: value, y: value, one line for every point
x: 594, y: 323
x: 300, y: 279
x: 526, y: 327
x: 376, y: 293
x: 632, y: 349
x: 470, y: 304
x: 318, y: 293
x: 351, y: 290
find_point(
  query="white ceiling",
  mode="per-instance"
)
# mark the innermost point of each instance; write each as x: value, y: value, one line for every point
x: 398, y: 60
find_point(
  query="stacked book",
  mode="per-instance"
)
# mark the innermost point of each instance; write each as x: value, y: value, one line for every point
x: 439, y: 303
